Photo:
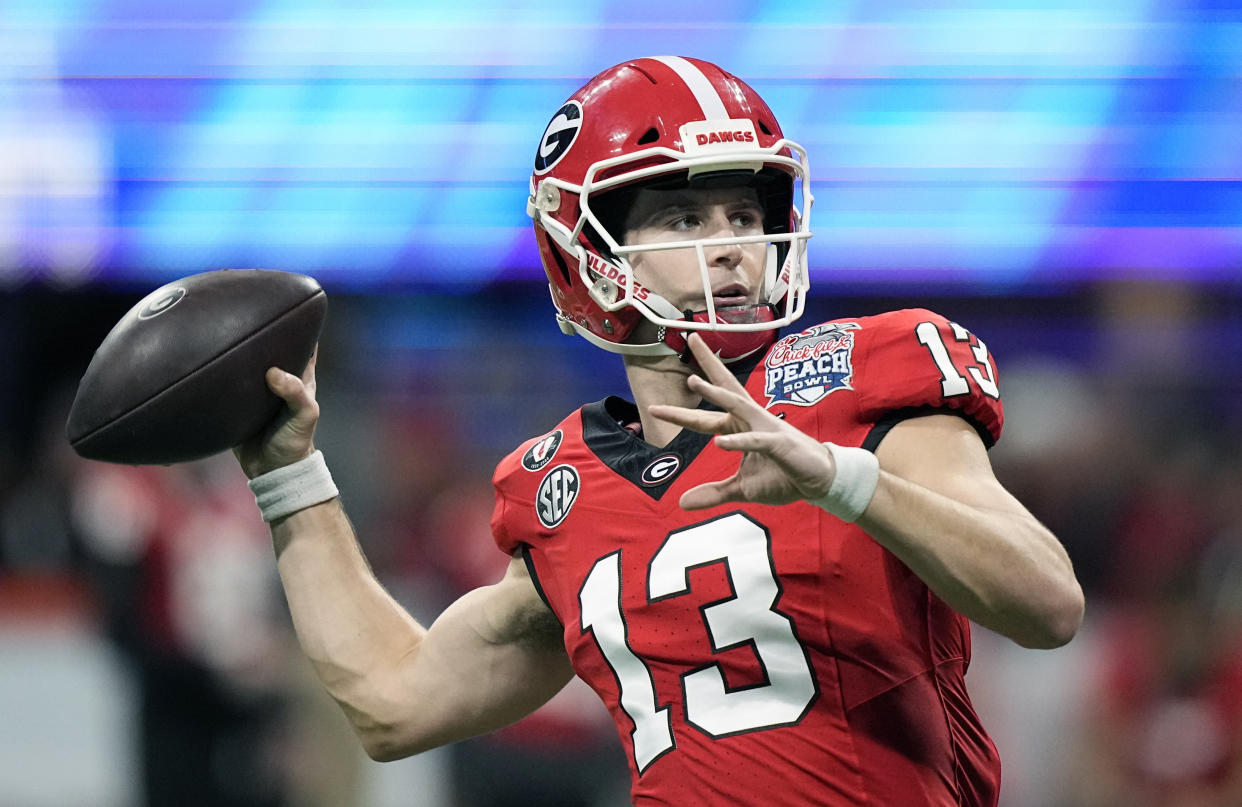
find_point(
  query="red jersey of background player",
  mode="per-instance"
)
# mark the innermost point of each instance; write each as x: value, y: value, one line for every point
x: 753, y: 654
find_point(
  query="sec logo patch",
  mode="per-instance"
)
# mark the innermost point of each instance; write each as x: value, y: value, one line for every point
x: 557, y: 493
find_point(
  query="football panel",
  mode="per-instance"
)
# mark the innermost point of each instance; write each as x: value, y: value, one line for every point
x: 218, y: 406
x: 159, y: 342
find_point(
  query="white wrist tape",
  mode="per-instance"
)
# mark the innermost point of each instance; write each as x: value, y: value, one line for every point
x: 858, y: 474
x: 293, y: 487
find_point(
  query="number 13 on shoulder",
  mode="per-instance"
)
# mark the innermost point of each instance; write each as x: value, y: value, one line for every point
x: 952, y: 382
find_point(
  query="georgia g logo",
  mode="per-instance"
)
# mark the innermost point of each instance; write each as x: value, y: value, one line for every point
x: 557, y: 493
x: 561, y: 133
x: 660, y: 470
x: 158, y: 305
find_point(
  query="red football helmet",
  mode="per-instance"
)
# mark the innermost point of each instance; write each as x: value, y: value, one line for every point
x: 665, y: 121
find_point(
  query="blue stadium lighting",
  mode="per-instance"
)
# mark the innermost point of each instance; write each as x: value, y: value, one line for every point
x: 1000, y: 145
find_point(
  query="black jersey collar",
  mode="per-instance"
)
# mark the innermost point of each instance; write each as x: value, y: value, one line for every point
x: 651, y: 469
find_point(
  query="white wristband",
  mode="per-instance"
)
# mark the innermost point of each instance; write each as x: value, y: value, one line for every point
x: 293, y: 487
x: 858, y: 474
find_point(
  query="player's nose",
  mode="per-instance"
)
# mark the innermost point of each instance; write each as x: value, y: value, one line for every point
x: 725, y: 255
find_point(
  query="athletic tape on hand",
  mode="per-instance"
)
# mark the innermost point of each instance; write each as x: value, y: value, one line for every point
x: 858, y: 475
x: 293, y: 487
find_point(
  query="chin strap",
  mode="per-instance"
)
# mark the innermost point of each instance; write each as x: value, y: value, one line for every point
x: 570, y: 327
x: 730, y: 346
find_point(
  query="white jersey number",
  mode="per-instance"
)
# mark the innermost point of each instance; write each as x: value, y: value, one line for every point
x: 749, y: 617
x: 952, y: 382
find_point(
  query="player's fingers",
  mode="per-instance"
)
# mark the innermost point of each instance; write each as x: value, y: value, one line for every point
x: 751, y: 441
x: 282, y: 383
x: 291, y: 390
x: 308, y: 375
x: 736, y: 402
x: 303, y: 409
x: 698, y: 420
x: 712, y: 494
x: 712, y: 366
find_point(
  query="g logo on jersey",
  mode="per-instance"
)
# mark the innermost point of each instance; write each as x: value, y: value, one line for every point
x: 661, y: 469
x: 557, y: 493
x: 542, y: 452
x: 561, y: 133
x: 162, y: 303
x: 804, y: 368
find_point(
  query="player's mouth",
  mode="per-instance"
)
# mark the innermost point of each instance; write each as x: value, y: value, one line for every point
x: 734, y: 295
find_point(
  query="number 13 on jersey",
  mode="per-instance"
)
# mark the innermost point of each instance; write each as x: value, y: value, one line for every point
x: 748, y: 617
x: 952, y: 382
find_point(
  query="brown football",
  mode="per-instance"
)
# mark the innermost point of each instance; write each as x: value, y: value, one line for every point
x: 180, y: 377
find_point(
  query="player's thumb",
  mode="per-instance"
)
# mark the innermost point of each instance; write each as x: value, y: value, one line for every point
x: 294, y: 392
x: 709, y: 494
x: 284, y: 385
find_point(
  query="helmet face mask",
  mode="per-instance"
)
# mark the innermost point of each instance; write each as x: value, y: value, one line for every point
x: 665, y: 123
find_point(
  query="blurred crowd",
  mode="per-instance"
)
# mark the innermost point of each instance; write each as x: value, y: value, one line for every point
x: 1124, y: 423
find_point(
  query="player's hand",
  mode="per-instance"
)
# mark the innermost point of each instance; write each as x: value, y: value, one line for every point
x: 780, y: 463
x: 291, y: 436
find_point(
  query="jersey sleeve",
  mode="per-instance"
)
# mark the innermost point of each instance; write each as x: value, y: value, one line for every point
x: 501, y: 481
x: 916, y: 362
x: 516, y: 482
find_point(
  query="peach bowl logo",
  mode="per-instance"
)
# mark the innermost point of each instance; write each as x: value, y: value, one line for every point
x: 804, y: 368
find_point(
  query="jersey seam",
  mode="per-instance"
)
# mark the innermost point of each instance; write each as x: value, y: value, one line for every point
x: 501, y: 531
x: 529, y: 560
x: 944, y: 709
x: 863, y: 364
x: 884, y: 424
x: 820, y: 415
x: 935, y: 666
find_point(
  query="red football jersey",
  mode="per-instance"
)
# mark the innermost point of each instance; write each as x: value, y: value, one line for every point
x: 759, y: 655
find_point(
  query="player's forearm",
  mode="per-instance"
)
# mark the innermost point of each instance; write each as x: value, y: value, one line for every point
x: 350, y: 628
x: 999, y: 567
x: 492, y: 657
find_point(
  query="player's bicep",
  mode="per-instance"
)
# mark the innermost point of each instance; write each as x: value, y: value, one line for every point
x: 492, y: 657
x: 945, y: 454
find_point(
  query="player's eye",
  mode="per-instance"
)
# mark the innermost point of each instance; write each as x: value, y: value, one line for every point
x: 685, y: 221
x: 747, y: 219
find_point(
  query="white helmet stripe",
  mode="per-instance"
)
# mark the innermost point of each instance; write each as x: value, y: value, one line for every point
x: 709, y: 100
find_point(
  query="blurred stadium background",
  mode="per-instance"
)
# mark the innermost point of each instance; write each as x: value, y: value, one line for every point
x: 1063, y: 177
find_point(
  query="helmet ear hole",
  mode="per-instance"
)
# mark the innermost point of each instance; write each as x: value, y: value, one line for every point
x: 611, y: 209
x: 649, y: 136
x: 556, y: 256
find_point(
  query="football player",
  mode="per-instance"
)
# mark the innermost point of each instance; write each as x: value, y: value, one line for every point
x: 764, y: 563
